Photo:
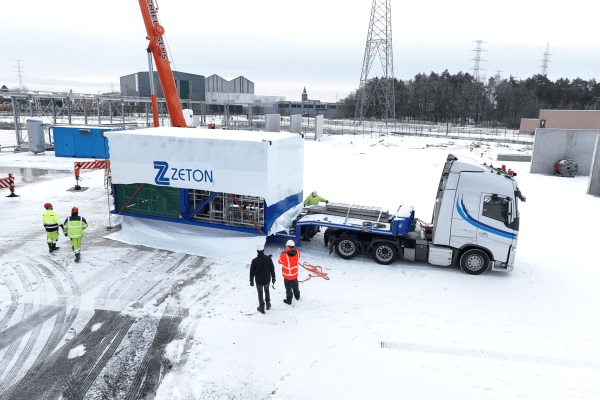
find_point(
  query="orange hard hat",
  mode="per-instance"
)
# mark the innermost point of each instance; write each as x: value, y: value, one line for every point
x: 47, y: 206
x: 74, y: 210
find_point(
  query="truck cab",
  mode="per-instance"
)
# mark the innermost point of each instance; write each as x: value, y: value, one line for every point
x: 476, y: 213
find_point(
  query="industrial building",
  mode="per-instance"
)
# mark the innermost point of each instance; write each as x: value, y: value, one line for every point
x: 189, y: 86
x: 215, y: 83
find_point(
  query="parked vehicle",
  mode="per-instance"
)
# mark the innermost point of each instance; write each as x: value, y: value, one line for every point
x: 475, y: 223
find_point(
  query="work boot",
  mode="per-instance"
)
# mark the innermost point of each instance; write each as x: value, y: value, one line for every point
x: 305, y: 239
x: 268, y: 305
x: 288, y: 302
x: 50, y: 249
x: 261, y: 309
x: 77, y: 257
x: 54, y: 247
x: 297, y: 297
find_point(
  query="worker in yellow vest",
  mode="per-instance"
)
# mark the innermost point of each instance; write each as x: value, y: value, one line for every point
x: 308, y: 232
x: 74, y: 227
x: 51, y: 223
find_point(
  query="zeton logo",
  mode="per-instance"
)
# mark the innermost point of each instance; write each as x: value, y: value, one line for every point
x: 179, y: 174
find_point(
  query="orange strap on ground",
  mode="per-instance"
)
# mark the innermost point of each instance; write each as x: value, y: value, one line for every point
x: 314, y: 269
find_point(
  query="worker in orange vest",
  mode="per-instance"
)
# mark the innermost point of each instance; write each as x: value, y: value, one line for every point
x: 289, y: 260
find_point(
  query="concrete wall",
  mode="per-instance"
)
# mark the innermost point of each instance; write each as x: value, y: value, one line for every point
x: 594, y: 182
x: 318, y: 127
x: 571, y: 119
x: 273, y: 123
x: 552, y: 145
x: 529, y: 125
x: 513, y: 157
x: 295, y: 123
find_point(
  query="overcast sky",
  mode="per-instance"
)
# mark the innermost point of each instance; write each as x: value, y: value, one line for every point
x: 283, y: 46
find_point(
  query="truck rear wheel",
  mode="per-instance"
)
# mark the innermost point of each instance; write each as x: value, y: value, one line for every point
x: 384, y: 253
x: 474, y: 261
x: 346, y: 247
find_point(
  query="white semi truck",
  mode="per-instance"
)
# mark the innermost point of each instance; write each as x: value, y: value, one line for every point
x: 475, y: 223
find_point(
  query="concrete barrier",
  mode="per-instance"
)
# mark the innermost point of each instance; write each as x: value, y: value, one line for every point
x: 273, y: 123
x: 514, y: 157
x: 594, y: 182
x: 296, y: 123
x: 552, y: 145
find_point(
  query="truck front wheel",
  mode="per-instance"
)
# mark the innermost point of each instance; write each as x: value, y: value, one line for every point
x: 384, y: 253
x: 474, y: 261
x: 346, y: 247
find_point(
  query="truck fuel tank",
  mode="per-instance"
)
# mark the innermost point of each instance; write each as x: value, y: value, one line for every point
x: 440, y: 255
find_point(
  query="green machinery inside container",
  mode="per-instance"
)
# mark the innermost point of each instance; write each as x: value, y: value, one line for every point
x: 157, y: 201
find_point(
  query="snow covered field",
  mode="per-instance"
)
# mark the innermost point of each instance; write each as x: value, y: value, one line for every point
x: 131, y: 321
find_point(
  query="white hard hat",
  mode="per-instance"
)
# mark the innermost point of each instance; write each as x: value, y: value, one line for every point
x: 290, y: 243
x: 314, y: 192
x: 260, y: 247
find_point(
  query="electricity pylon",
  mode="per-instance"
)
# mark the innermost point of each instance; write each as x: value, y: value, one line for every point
x: 379, y: 44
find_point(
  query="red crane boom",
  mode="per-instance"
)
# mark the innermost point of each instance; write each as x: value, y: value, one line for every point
x: 157, y: 47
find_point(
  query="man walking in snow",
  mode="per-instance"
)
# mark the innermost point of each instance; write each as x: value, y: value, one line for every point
x: 73, y: 228
x: 262, y: 270
x: 51, y: 223
x: 289, y: 261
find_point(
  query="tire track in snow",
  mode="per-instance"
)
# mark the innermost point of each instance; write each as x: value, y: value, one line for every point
x: 58, y: 374
x: 35, y: 333
x: 75, y: 289
x: 59, y: 322
x: 28, y: 306
x: 147, y: 378
x: 14, y: 297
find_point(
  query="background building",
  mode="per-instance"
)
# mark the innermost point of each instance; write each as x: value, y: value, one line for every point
x: 189, y: 86
x: 216, y: 84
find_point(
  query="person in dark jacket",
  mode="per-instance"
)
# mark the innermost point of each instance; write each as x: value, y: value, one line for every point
x: 262, y: 271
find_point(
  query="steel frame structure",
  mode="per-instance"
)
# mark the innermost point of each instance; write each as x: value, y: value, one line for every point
x: 379, y: 43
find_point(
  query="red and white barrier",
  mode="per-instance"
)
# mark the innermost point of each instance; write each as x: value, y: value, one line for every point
x: 98, y: 164
x: 8, y: 183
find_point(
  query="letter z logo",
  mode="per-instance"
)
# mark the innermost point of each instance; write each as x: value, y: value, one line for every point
x: 162, y: 168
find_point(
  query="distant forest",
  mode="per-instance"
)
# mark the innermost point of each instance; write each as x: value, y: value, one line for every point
x: 459, y: 99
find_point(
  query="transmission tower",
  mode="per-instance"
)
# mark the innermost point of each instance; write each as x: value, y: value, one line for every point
x: 478, y: 59
x: 546, y: 60
x: 379, y: 44
x: 19, y: 73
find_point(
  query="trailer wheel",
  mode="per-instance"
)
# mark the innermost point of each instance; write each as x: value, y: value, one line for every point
x: 384, y: 253
x: 474, y: 262
x: 346, y: 247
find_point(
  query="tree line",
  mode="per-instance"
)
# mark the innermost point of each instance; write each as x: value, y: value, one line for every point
x: 460, y: 99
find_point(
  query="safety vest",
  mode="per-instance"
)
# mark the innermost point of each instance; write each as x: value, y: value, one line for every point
x: 313, y: 200
x: 290, y: 264
x: 51, y: 221
x: 74, y: 226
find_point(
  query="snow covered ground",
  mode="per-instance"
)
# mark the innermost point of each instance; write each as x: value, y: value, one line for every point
x: 131, y: 321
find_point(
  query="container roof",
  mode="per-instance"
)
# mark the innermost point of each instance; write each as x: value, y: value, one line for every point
x: 224, y: 134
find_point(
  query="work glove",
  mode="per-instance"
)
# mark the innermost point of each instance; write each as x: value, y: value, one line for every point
x: 251, y: 283
x: 326, y: 201
x: 273, y: 284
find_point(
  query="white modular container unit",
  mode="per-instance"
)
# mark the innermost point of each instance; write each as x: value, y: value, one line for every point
x: 214, y: 163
